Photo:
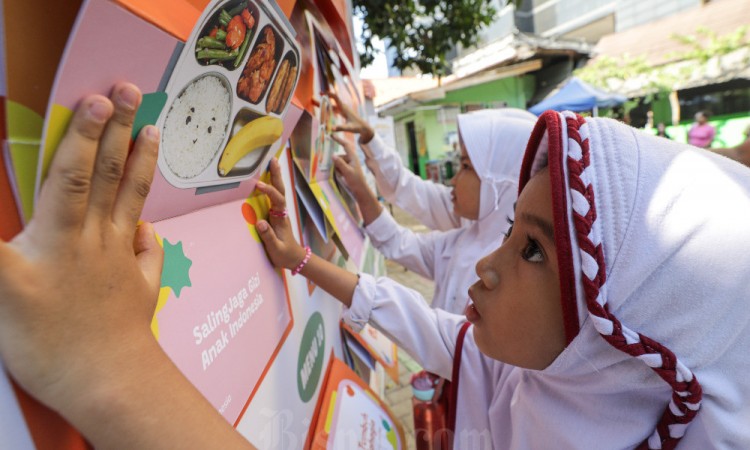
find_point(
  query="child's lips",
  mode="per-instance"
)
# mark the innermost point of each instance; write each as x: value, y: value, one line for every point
x: 471, y: 312
x: 472, y: 315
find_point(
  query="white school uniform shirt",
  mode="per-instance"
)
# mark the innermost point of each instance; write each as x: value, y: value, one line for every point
x: 495, y: 145
x: 428, y: 202
x: 653, y: 250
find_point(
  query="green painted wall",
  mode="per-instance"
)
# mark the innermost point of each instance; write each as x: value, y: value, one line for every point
x: 730, y: 130
x: 437, y: 134
x: 662, y: 110
x: 514, y: 91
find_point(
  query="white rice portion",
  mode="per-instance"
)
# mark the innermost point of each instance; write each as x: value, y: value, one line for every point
x: 195, y: 126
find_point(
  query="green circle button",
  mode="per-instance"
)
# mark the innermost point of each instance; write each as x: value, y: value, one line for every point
x: 310, y: 360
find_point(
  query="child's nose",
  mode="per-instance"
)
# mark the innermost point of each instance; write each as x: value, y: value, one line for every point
x: 486, y: 271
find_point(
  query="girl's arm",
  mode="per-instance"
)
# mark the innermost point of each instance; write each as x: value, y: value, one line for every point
x: 284, y: 251
x: 429, y: 335
x: 429, y: 202
x: 415, y: 251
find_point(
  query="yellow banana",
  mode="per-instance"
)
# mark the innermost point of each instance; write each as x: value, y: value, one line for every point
x: 255, y: 135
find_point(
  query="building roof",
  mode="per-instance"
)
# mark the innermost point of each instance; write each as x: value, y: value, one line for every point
x: 511, y: 49
x: 654, y: 39
x: 516, y: 54
x: 655, y: 42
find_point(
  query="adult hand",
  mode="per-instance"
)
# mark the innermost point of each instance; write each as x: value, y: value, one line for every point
x: 79, y: 285
x: 281, y: 247
x: 354, y: 122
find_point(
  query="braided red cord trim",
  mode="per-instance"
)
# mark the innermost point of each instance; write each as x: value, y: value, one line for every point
x: 684, y: 392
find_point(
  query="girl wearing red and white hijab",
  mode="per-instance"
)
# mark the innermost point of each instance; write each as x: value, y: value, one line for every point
x: 614, y: 315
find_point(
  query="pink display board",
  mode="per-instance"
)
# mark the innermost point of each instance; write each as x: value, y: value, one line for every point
x: 221, y: 327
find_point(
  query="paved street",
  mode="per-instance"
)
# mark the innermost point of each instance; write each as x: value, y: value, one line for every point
x: 398, y: 396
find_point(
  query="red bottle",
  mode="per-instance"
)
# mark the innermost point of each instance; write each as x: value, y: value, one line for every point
x: 429, y: 414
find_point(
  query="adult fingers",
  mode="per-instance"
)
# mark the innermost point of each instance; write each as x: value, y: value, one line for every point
x: 113, y: 150
x: 64, y: 198
x: 149, y: 255
x: 136, y: 183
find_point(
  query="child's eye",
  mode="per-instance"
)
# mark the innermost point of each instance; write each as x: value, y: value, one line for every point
x: 510, y: 228
x: 532, y: 252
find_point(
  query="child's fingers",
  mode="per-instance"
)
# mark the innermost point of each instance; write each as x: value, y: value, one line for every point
x: 113, y: 151
x: 136, y: 183
x: 332, y: 95
x: 267, y: 235
x: 350, y: 154
x: 149, y: 254
x: 339, y: 140
x: 348, y: 127
x: 276, y: 179
x: 65, y: 194
x: 343, y: 107
x: 278, y: 201
x: 342, y: 166
x: 348, y: 147
x: 345, y: 157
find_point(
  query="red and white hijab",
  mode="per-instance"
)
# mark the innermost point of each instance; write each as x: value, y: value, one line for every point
x: 653, y: 244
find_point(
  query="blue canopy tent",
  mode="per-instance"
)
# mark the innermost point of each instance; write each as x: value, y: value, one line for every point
x: 577, y: 96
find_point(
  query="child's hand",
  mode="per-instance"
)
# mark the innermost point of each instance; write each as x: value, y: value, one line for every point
x: 348, y: 166
x: 354, y: 123
x: 79, y: 285
x: 282, y: 249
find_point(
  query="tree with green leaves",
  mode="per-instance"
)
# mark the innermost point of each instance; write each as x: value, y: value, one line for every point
x: 422, y: 31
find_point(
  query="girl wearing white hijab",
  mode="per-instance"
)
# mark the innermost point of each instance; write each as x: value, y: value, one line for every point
x: 428, y: 202
x: 614, y: 315
x: 484, y: 191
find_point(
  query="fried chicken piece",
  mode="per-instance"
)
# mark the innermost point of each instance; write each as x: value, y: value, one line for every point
x: 259, y: 68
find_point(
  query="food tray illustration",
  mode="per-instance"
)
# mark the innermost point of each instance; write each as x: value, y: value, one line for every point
x: 227, y: 95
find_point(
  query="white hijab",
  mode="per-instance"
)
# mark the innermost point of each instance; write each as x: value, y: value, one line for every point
x: 495, y: 144
x: 653, y: 243
x: 510, y: 113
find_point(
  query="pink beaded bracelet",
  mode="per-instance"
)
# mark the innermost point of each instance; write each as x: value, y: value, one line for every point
x: 281, y: 214
x: 297, y: 269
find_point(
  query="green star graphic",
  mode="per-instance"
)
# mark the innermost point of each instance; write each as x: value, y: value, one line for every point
x: 176, y: 271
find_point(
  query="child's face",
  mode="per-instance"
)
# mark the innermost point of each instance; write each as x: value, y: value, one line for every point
x: 515, y: 306
x: 466, y: 188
